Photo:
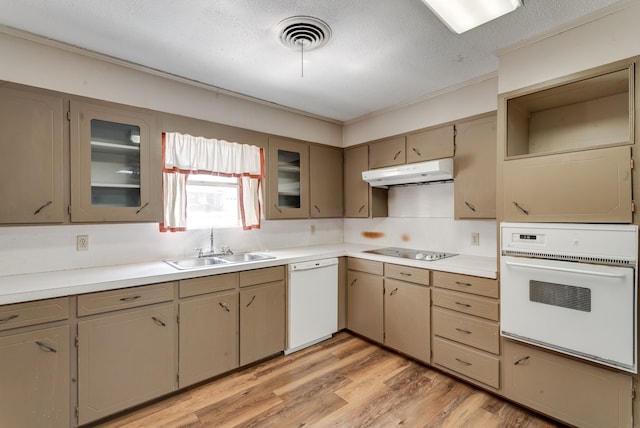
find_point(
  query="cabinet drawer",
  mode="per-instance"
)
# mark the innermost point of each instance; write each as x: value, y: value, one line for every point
x: 407, y: 273
x: 465, y: 329
x: 461, y: 302
x: 369, y: 266
x: 468, y: 284
x: 32, y: 313
x: 469, y: 362
x: 261, y: 276
x: 106, y: 301
x: 208, y: 284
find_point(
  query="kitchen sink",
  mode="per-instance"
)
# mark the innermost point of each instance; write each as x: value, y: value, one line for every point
x: 211, y: 261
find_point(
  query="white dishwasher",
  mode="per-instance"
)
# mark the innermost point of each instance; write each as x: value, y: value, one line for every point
x: 312, y: 303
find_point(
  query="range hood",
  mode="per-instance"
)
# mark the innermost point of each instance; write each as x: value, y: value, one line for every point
x: 421, y: 172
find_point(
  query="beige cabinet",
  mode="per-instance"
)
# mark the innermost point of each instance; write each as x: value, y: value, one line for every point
x: 208, y: 332
x: 574, y: 392
x: 287, y: 179
x: 406, y: 311
x: 262, y: 313
x: 35, y: 368
x: 475, y: 169
x: 361, y: 200
x: 115, y: 164
x: 365, y: 294
x: 325, y: 181
x: 592, y: 186
x: 465, y: 327
x: 388, y: 152
x: 434, y: 143
x: 125, y: 357
x: 32, y: 141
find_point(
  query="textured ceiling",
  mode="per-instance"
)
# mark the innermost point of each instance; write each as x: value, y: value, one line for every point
x: 382, y: 53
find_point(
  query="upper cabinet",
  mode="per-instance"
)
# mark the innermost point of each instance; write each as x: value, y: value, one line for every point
x: 288, y: 179
x: 560, y: 147
x: 434, y: 143
x: 326, y: 181
x: 387, y: 153
x: 361, y: 200
x: 115, y: 164
x: 475, y: 169
x: 31, y: 138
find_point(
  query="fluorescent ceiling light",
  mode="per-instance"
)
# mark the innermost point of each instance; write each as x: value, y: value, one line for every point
x: 463, y: 15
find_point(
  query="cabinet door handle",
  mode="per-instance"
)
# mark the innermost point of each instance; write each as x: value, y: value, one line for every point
x: 520, y: 207
x: 521, y: 360
x: 471, y: 207
x: 9, y: 318
x: 466, y: 284
x: 158, y: 321
x: 464, y: 305
x: 393, y: 292
x: 278, y: 208
x: 466, y: 363
x: 316, y: 207
x: 360, y: 209
x: 142, y: 207
x: 397, y: 154
x: 353, y: 282
x: 45, y: 347
x: 130, y: 298
x: 461, y: 330
x: 224, y: 306
x: 416, y: 151
x: 251, y: 301
x: 42, y: 207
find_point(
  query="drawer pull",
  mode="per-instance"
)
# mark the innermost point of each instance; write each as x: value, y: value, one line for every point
x: 130, y: 299
x: 224, y: 306
x: 466, y: 363
x: 45, y: 347
x: 463, y: 330
x: 465, y: 284
x: 464, y: 305
x: 360, y: 209
x: 471, y: 207
x: 251, y: 301
x: 278, y: 208
x: 142, y: 207
x: 9, y: 318
x: 158, y: 321
x: 36, y: 212
x: 316, y: 207
x: 521, y: 360
x: 405, y: 274
x: 416, y: 151
x: 518, y: 206
x: 393, y: 292
x: 353, y: 282
x: 397, y: 154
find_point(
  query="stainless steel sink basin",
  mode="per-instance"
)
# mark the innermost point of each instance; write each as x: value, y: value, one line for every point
x: 244, y: 257
x: 211, y: 261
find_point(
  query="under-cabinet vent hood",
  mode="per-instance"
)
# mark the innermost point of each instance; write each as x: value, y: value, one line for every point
x: 421, y: 172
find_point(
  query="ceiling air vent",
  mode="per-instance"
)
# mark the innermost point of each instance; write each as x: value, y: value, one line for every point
x: 304, y: 32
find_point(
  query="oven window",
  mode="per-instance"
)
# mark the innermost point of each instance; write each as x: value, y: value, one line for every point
x: 564, y: 296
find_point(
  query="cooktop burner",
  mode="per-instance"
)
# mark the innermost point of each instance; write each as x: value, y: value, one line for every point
x: 407, y: 253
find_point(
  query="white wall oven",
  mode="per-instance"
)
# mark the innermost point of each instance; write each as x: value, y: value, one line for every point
x: 571, y: 288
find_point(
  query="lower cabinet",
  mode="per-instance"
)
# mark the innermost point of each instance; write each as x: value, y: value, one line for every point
x: 262, y: 313
x: 34, y: 373
x: 208, y: 332
x: 125, y: 359
x: 575, y: 392
x: 365, y: 294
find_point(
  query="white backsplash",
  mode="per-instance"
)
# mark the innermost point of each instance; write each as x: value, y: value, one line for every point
x: 421, y: 217
x: 49, y: 248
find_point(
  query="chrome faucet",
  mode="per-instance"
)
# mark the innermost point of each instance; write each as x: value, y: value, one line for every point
x: 211, y: 250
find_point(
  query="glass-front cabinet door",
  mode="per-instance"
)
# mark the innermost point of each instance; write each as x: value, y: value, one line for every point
x: 288, y: 179
x: 111, y: 178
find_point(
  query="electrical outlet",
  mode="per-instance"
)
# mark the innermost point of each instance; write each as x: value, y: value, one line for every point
x: 475, y: 238
x: 313, y: 229
x: 82, y: 242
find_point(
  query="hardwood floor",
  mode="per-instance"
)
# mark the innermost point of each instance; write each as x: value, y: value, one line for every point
x: 342, y: 382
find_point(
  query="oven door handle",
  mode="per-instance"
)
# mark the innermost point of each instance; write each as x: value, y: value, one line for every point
x: 560, y: 269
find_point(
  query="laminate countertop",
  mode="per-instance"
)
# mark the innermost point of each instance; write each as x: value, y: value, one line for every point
x: 45, y: 285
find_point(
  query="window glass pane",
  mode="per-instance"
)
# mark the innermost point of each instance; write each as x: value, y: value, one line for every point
x: 212, y: 202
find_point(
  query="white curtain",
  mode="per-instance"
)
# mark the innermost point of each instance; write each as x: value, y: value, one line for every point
x: 184, y: 154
